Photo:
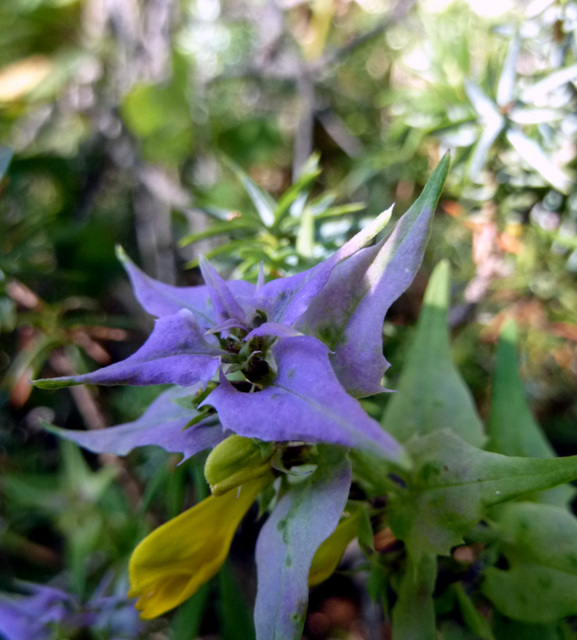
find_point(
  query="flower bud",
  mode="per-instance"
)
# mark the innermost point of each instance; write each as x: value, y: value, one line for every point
x: 235, y: 461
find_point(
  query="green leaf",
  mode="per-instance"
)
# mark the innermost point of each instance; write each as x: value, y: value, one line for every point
x: 506, y: 87
x: 414, y: 612
x: 28, y: 362
x: 234, y: 615
x: 534, y: 155
x: 187, y: 620
x: 340, y: 210
x: 511, y: 427
x: 432, y: 394
x: 234, y: 248
x: 479, y: 156
x: 261, y: 200
x: 452, y: 485
x: 306, y: 235
x: 478, y: 624
x: 298, y: 191
x: 549, y: 83
x: 217, y: 229
x: 506, y: 629
x: 540, y: 543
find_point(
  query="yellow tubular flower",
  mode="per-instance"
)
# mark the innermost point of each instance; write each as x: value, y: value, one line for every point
x: 331, y: 551
x: 176, y: 559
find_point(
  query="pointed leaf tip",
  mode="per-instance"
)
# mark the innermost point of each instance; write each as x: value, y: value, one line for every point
x: 432, y: 394
x: 54, y: 383
x: 120, y: 253
x: 512, y: 429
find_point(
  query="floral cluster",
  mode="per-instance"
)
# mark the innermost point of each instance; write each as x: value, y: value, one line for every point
x: 262, y: 371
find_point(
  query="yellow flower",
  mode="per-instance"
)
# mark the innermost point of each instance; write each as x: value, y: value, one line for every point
x: 331, y: 551
x: 170, y: 564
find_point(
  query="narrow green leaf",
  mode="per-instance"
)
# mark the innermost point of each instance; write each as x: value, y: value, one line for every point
x: 540, y: 543
x: 30, y: 362
x: 453, y: 484
x: 478, y: 624
x: 511, y: 427
x: 506, y: 85
x: 234, y: 248
x: 483, y: 105
x: 414, y: 612
x: 490, y: 132
x: 299, y: 189
x: 306, y: 235
x: 187, y: 620
x: 549, y: 83
x: 340, y: 210
x: 218, y: 229
x: 235, y: 617
x: 261, y: 200
x: 534, y: 155
x: 432, y: 394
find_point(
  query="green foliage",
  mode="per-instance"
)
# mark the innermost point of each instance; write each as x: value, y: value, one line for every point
x: 454, y: 484
x: 511, y: 426
x: 540, y: 544
x: 414, y: 614
x: 281, y: 234
x: 431, y: 394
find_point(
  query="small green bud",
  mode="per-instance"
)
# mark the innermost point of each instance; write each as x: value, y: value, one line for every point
x: 235, y: 461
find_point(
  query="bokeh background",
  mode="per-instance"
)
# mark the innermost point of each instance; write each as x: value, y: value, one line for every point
x: 169, y: 127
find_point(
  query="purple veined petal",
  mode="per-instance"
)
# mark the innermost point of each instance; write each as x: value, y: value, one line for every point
x: 286, y: 299
x: 348, y: 314
x: 160, y: 299
x: 358, y: 359
x: 273, y: 329
x: 163, y: 424
x: 223, y: 301
x: 303, y: 519
x: 328, y: 319
x: 176, y: 352
x: 329, y: 312
x: 305, y: 402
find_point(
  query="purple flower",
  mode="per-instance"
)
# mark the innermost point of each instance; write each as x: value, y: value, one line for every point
x: 277, y: 362
x: 48, y: 612
x: 288, y: 354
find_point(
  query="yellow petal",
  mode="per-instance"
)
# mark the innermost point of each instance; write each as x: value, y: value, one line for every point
x: 331, y: 551
x: 170, y: 564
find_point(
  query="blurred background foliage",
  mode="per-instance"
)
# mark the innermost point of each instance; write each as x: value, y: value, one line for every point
x: 177, y: 127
